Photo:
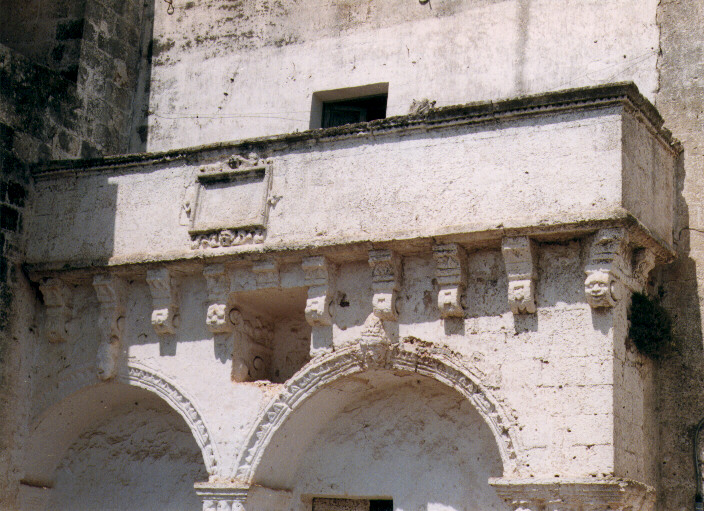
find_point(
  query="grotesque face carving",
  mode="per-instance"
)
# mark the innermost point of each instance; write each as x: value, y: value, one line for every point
x: 215, y: 318
x: 384, y: 304
x: 599, y: 288
x: 108, y: 353
x: 521, y: 296
x: 317, y: 310
x: 450, y: 302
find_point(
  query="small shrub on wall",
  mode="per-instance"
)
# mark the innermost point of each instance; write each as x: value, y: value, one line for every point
x: 650, y: 326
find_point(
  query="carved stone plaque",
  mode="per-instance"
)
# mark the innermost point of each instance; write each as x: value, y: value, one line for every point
x: 231, y: 206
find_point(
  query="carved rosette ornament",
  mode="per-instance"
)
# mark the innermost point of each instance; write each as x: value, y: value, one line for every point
x: 451, y: 275
x: 386, y: 283
x: 520, y: 260
x: 164, y: 301
x: 319, y: 280
x: 111, y: 295
x: 218, y: 285
x: 575, y: 495
x: 266, y: 273
x: 57, y: 298
x: 605, y: 267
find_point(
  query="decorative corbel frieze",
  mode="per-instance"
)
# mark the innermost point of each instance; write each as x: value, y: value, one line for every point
x: 266, y: 272
x: 520, y: 261
x: 111, y: 295
x: 164, y: 301
x: 605, y: 268
x: 386, y: 283
x: 57, y: 298
x: 319, y: 280
x: 218, y: 284
x: 451, y: 275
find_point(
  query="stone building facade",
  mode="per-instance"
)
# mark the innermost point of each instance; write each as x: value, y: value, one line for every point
x: 216, y: 297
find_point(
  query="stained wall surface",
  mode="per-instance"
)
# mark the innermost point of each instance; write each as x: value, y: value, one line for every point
x: 233, y: 70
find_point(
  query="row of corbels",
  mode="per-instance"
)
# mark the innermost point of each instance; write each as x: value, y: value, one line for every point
x: 613, y: 267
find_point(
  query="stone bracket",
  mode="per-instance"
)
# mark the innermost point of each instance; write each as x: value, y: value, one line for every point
x: 111, y: 292
x: 57, y: 298
x: 575, y: 495
x: 520, y: 259
x: 319, y: 278
x: 451, y: 275
x: 386, y: 283
x: 164, y: 301
x: 605, y: 267
x: 218, y: 284
x: 266, y: 272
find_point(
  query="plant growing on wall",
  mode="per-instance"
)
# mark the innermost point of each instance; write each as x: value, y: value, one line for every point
x: 650, y: 326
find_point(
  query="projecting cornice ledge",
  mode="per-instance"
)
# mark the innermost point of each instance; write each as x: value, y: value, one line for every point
x: 575, y: 494
x: 599, y: 96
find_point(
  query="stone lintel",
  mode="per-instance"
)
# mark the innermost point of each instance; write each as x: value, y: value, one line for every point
x: 574, y: 494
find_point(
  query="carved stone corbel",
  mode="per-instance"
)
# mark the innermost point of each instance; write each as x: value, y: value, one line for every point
x: 266, y: 272
x: 218, y: 284
x: 164, y: 301
x: 520, y: 261
x: 605, y: 268
x: 111, y: 295
x: 319, y: 279
x: 57, y: 298
x: 451, y: 275
x: 386, y: 283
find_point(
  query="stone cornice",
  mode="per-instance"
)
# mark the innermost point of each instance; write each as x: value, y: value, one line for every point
x: 549, y: 103
x: 339, y: 251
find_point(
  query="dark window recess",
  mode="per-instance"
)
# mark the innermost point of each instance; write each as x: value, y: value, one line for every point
x: 350, y: 111
x: 381, y: 505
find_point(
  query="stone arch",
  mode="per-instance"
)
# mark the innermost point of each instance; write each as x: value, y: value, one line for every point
x: 409, y: 357
x: 49, y: 437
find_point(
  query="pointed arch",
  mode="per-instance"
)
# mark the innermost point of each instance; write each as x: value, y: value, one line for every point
x: 409, y: 357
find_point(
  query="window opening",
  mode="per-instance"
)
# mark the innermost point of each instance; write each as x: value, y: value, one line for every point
x: 350, y: 111
x: 337, y: 107
x: 336, y: 504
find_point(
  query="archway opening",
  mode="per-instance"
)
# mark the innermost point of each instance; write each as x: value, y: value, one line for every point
x: 386, y: 435
x: 115, y: 447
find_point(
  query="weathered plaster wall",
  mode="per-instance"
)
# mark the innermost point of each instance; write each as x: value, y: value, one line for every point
x: 680, y: 99
x: 140, y: 457
x: 232, y: 70
x: 385, y: 186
